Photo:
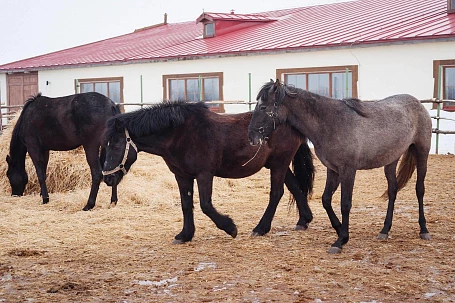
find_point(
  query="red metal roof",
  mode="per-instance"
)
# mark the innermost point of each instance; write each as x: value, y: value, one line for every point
x: 338, y: 24
x: 233, y: 17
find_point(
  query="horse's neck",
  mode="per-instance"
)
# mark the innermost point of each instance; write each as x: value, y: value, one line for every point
x: 153, y: 144
x: 17, y: 152
x: 306, y: 115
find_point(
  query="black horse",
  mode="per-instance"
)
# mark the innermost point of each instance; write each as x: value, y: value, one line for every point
x: 349, y: 135
x: 198, y: 144
x: 62, y: 124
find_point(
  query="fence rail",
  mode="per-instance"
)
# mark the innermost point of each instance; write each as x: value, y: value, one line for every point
x: 10, y: 114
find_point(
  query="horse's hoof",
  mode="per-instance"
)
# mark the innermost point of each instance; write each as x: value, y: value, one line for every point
x: 382, y: 236
x: 176, y: 241
x: 113, y: 204
x: 45, y: 200
x: 301, y: 227
x: 87, y: 208
x: 234, y: 233
x: 425, y: 236
x: 334, y: 250
x: 256, y: 234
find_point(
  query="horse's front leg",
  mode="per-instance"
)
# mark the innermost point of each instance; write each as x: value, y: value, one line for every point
x: 331, y: 185
x: 114, y: 198
x: 305, y: 214
x: 347, y: 177
x: 223, y: 222
x: 93, y: 160
x: 276, y: 192
x: 186, y: 197
x: 40, y: 160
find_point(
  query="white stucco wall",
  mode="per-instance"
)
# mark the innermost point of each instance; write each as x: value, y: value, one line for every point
x: 383, y: 71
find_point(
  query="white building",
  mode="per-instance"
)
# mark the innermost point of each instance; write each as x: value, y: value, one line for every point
x: 366, y: 49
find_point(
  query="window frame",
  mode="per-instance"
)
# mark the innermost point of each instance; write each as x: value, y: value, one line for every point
x: 436, y: 65
x: 78, y: 82
x: 219, y: 75
x: 281, y: 73
x: 205, y: 29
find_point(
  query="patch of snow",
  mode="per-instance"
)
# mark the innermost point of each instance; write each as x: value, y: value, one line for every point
x: 204, y: 265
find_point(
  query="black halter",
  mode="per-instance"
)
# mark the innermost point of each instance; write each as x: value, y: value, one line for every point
x: 272, y: 114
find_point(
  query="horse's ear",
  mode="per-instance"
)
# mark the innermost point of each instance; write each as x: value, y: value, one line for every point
x: 8, y: 159
x: 277, y: 84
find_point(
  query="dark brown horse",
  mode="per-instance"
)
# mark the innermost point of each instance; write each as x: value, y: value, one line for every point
x: 349, y: 135
x: 62, y: 123
x: 198, y: 144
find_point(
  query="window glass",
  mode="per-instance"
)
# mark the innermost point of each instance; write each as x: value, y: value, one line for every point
x: 192, y: 90
x: 209, y: 29
x: 101, y: 87
x: 339, y: 85
x: 319, y: 84
x: 211, y: 89
x: 452, y: 4
x: 114, y: 91
x: 86, y: 87
x: 177, y: 90
x: 298, y: 80
x: 449, y: 83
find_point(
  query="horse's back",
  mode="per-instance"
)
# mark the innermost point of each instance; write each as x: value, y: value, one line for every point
x: 67, y: 122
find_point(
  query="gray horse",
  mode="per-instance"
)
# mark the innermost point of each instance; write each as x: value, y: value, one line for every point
x: 349, y: 135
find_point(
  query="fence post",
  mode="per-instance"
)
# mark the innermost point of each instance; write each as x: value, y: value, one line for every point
x: 438, y: 111
x: 249, y: 90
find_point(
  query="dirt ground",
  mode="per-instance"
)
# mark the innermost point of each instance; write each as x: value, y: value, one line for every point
x: 57, y: 253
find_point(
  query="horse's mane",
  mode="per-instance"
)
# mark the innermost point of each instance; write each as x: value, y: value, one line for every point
x: 283, y: 90
x: 15, y: 136
x: 154, y: 119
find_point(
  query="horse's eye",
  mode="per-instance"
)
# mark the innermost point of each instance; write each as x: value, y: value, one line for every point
x: 262, y: 107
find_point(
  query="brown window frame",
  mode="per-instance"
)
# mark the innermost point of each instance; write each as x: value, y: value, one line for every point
x: 436, y: 64
x: 77, y: 83
x: 280, y: 73
x: 219, y: 75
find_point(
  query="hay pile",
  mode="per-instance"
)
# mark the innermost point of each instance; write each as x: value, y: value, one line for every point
x: 66, y: 170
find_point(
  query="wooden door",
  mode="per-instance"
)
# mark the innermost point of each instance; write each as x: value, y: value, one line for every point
x: 21, y: 86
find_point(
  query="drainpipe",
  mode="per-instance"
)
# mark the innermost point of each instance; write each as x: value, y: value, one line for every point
x: 439, y: 108
x: 249, y: 90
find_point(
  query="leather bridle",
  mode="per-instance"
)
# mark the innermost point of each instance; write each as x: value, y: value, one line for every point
x: 121, y: 166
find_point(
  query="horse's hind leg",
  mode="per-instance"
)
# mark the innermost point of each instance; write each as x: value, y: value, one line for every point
x: 93, y: 160
x: 305, y: 214
x: 392, y: 189
x: 40, y: 160
x: 421, y: 159
x: 186, y: 198
x: 205, y: 183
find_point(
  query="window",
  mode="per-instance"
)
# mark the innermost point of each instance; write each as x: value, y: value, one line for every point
x: 194, y: 88
x: 209, y: 30
x: 448, y: 82
x: 451, y: 6
x: 334, y: 82
x: 110, y: 87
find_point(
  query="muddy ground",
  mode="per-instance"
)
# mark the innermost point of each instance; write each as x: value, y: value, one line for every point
x: 57, y: 253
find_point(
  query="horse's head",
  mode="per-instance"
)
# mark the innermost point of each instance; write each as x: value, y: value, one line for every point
x: 267, y: 114
x: 121, y: 152
x: 17, y: 176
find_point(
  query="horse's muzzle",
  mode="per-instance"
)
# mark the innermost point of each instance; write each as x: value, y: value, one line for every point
x: 111, y: 179
x: 254, y: 138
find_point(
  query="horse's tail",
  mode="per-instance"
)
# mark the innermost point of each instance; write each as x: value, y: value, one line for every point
x: 303, y: 168
x: 405, y: 170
